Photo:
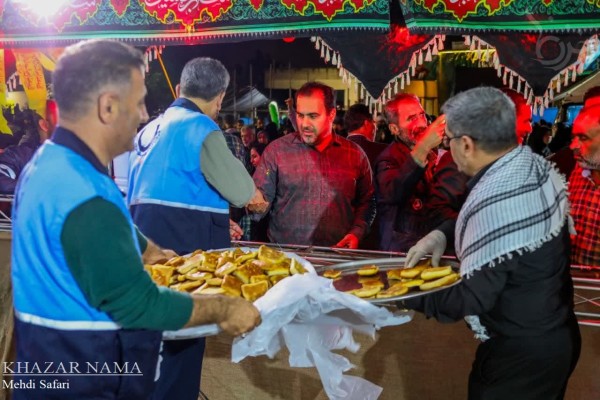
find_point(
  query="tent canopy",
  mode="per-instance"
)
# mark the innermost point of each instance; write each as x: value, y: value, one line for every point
x: 576, y: 92
x: 539, y: 45
x: 246, y: 101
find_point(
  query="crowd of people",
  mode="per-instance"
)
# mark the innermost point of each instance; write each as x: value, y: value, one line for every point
x: 464, y: 184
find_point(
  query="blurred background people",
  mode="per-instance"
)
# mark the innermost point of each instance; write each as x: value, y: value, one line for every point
x: 33, y: 131
x: 361, y: 128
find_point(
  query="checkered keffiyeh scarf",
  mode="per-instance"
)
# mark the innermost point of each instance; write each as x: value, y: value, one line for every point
x: 519, y: 204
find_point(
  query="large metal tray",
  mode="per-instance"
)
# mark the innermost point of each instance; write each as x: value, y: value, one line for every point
x: 349, y: 276
x: 213, y: 329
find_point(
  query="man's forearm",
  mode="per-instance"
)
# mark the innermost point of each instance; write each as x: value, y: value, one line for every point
x: 206, y: 310
x: 224, y: 172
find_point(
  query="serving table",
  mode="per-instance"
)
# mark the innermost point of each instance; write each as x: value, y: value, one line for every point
x: 420, y: 360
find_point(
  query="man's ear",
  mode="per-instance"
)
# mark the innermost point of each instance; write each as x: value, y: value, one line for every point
x: 178, y: 90
x: 44, y: 126
x: 468, y: 145
x: 108, y: 107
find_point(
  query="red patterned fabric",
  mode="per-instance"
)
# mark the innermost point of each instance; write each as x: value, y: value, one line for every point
x: 188, y: 12
x: 584, y: 196
x: 58, y: 16
x: 120, y: 6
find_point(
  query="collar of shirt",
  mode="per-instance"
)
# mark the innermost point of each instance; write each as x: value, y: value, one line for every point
x: 334, y: 142
x: 68, y: 139
x: 356, y: 135
x: 186, y: 103
x: 473, y: 181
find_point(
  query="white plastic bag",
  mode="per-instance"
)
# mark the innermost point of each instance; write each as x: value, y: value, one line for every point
x: 311, y: 318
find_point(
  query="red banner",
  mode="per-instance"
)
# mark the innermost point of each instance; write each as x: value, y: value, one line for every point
x: 57, y: 13
x: 257, y: 4
x: 460, y: 9
x: 326, y: 8
x: 120, y: 6
x: 32, y: 78
x: 187, y: 12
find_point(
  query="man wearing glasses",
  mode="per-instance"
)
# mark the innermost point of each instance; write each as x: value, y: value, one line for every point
x: 512, y: 240
x: 418, y: 187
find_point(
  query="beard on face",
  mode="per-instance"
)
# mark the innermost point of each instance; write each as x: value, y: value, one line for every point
x: 309, y: 141
x: 411, y: 137
x: 592, y: 163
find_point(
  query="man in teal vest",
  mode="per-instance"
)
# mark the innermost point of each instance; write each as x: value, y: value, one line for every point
x: 82, y: 298
x: 182, y: 179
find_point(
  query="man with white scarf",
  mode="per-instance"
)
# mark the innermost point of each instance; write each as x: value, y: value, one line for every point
x: 512, y: 239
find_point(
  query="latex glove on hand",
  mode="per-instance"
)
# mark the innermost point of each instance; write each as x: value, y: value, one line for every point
x: 350, y: 241
x: 258, y: 204
x: 433, y: 243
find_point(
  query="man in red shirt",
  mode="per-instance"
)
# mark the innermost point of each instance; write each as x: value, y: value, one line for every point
x: 319, y: 185
x: 584, y: 190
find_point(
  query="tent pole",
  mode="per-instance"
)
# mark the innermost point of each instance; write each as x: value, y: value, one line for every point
x: 166, y: 75
x: 270, y: 81
x: 235, y: 114
x: 253, y: 114
x: 290, y: 79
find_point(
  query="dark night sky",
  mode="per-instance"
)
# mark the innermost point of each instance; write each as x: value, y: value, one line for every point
x: 236, y: 57
x: 260, y: 53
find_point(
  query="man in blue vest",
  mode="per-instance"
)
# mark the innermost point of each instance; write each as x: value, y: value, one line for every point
x: 83, y: 302
x: 182, y: 179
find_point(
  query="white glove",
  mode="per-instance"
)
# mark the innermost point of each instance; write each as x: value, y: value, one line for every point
x: 434, y: 243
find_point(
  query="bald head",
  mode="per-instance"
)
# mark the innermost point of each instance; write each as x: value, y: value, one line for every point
x: 586, y: 137
x: 523, y: 111
x: 592, y: 97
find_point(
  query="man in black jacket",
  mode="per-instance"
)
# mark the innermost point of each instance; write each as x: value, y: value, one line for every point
x: 418, y: 186
x: 361, y: 128
x: 512, y: 241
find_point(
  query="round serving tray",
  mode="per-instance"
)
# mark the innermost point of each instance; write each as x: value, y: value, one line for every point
x: 349, y: 278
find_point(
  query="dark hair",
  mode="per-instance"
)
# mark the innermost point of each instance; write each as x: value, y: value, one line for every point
x: 204, y: 78
x: 271, y: 130
x: 562, y: 137
x: 87, y: 68
x: 309, y: 88
x: 535, y: 140
x: 356, y: 116
x: 591, y: 93
x: 229, y: 120
x: 391, y: 107
x: 259, y: 147
x: 21, y: 121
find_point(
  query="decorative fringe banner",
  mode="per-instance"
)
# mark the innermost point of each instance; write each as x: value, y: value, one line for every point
x: 538, y: 99
x: 152, y: 53
x: 13, y: 81
x: 419, y: 50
